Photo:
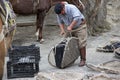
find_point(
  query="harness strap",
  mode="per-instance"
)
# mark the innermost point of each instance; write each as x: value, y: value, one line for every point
x: 35, y: 4
x: 2, y: 10
x: 1, y: 35
x: 2, y: 14
x: 7, y: 13
x: 3, y: 18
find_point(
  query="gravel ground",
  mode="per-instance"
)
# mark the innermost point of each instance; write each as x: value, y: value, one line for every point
x: 25, y: 36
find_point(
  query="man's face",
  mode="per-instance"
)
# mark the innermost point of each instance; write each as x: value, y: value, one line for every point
x: 63, y: 12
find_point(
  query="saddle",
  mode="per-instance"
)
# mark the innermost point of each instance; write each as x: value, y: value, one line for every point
x: 64, y: 53
x: 8, y: 16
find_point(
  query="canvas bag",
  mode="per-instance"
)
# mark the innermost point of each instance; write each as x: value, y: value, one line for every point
x: 64, y: 53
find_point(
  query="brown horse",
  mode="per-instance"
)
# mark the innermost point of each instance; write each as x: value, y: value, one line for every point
x: 6, y: 35
x: 40, y: 7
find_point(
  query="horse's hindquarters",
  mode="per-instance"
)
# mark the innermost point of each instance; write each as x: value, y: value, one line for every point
x: 24, y: 7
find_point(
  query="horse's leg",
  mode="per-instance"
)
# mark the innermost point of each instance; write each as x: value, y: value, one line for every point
x: 39, y: 24
x: 2, y: 51
x: 2, y: 57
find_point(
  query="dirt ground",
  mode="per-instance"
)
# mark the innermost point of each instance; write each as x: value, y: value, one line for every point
x: 26, y: 36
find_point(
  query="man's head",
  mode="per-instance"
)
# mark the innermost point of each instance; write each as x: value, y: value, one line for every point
x: 59, y: 8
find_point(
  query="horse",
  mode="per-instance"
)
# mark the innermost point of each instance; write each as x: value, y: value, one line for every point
x: 40, y: 8
x: 7, y: 31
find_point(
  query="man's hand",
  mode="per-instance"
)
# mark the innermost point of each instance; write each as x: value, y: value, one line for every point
x: 69, y: 28
x: 62, y: 32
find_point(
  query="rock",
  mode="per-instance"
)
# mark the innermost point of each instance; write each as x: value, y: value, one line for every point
x: 59, y: 76
x: 112, y: 67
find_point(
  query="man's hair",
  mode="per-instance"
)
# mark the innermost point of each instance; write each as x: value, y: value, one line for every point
x: 58, y: 8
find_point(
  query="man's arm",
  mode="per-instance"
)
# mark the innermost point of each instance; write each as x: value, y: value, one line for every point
x: 70, y: 27
x: 77, y: 16
x: 61, y: 25
x: 62, y: 29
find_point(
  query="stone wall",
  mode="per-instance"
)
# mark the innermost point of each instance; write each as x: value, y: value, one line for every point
x: 113, y: 12
x: 101, y: 15
x: 95, y: 13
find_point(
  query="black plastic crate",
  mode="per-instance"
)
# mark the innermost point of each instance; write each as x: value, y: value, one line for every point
x: 31, y: 51
x: 23, y: 61
x: 20, y: 70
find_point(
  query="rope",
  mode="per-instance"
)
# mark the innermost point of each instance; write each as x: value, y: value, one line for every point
x: 49, y: 58
x: 70, y: 32
x: 82, y: 4
x: 2, y: 10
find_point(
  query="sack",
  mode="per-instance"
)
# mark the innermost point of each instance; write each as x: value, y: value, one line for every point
x: 64, y: 53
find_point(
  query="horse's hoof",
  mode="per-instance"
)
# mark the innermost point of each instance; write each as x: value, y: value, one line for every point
x: 42, y: 40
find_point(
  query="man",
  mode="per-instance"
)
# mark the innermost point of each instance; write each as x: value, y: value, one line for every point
x: 70, y: 16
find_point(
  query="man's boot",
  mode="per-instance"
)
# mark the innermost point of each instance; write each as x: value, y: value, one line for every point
x: 83, y: 56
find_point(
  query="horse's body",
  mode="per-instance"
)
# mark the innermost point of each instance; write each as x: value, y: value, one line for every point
x: 6, y: 35
x: 40, y: 7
